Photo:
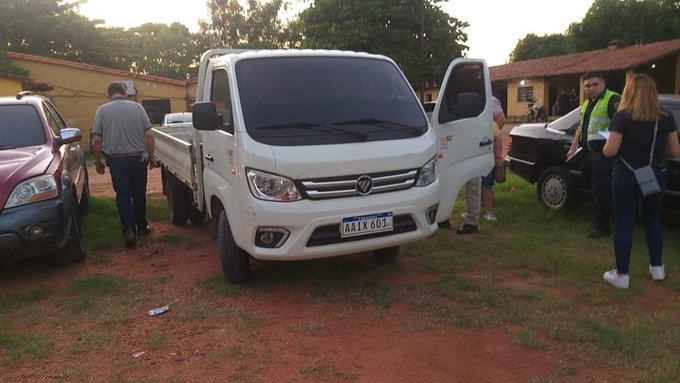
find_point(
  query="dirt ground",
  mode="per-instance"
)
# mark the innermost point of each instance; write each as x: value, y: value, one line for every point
x: 296, y: 338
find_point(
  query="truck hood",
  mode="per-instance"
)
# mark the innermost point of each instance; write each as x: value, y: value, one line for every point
x: 20, y: 164
x: 304, y: 162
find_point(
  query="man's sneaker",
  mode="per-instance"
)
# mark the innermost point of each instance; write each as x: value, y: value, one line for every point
x: 658, y: 273
x: 130, y: 238
x: 491, y: 216
x: 467, y: 229
x: 620, y: 281
x: 144, y: 231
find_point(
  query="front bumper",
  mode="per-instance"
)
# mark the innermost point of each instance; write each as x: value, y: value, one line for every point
x: 314, y: 225
x: 16, y: 241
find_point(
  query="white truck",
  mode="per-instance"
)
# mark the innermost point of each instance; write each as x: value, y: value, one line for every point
x: 303, y: 154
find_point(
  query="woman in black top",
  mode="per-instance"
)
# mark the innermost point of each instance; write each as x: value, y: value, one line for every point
x: 631, y: 137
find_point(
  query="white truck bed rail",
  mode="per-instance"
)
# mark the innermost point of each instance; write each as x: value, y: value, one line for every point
x: 175, y: 151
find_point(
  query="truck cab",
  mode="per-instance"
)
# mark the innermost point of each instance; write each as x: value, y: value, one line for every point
x: 310, y: 154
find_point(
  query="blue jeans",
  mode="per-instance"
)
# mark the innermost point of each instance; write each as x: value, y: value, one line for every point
x: 626, y: 198
x: 128, y: 175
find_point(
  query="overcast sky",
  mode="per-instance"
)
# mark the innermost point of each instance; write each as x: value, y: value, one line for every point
x: 495, y: 25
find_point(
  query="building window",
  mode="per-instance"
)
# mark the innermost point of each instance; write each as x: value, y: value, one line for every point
x: 525, y: 94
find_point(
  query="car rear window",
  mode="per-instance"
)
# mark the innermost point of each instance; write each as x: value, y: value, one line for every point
x: 20, y: 126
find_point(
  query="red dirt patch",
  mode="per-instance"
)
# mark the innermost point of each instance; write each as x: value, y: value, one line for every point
x: 284, y: 334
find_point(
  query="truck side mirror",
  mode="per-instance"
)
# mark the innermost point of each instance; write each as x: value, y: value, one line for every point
x: 205, y: 116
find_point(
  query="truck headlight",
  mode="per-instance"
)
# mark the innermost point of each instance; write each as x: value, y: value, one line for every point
x: 33, y: 190
x: 271, y: 187
x: 428, y: 173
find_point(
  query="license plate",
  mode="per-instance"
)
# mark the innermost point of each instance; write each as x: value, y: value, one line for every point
x: 366, y: 224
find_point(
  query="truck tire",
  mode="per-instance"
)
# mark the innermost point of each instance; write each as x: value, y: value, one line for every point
x: 179, y: 201
x: 555, y: 188
x: 387, y: 254
x: 196, y: 216
x: 74, y: 251
x: 235, y: 261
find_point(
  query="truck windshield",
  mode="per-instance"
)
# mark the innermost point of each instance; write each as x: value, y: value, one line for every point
x: 326, y: 100
x: 20, y: 126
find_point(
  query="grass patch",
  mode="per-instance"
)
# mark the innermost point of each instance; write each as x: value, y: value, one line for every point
x: 21, y: 347
x: 102, y: 228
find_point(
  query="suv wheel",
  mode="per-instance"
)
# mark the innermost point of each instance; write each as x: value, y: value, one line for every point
x: 74, y: 251
x: 555, y: 188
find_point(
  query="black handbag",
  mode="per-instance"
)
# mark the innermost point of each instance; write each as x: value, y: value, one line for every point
x: 645, y: 176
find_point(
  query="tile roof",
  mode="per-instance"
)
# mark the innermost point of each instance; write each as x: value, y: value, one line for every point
x: 604, y: 60
x: 96, y: 68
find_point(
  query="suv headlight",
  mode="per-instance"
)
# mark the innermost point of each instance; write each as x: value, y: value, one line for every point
x: 33, y: 190
x: 270, y: 187
x: 428, y: 173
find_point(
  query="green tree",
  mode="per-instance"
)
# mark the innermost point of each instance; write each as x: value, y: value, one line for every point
x: 162, y: 50
x: 388, y: 27
x: 51, y: 28
x: 533, y: 47
x: 629, y: 20
x: 633, y: 21
x: 257, y: 26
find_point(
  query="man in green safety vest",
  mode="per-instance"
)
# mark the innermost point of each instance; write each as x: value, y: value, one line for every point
x: 596, y: 114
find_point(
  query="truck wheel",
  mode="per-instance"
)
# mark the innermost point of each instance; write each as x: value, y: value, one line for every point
x: 178, y: 202
x: 386, y: 254
x: 235, y: 261
x: 555, y: 188
x: 195, y: 216
x: 74, y: 251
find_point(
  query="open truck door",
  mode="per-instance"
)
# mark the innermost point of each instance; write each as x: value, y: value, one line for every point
x: 462, y: 119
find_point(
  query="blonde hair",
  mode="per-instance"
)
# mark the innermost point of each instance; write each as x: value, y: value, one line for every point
x: 639, y: 99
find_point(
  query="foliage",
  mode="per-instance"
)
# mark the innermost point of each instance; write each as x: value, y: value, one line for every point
x: 6, y: 66
x: 632, y: 21
x: 532, y: 47
x: 388, y: 27
x: 51, y: 28
x: 257, y: 26
x: 162, y: 50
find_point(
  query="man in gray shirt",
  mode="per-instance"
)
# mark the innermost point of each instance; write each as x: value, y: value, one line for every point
x: 122, y: 132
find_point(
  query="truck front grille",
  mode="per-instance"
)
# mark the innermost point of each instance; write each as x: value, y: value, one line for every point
x: 346, y: 186
x: 330, y: 234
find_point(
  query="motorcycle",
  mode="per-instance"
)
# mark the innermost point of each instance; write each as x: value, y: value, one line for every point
x: 536, y: 112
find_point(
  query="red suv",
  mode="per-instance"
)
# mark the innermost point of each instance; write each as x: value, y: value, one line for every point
x: 43, y: 181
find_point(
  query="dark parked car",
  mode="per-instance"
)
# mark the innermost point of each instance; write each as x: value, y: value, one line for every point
x: 43, y: 181
x: 537, y: 152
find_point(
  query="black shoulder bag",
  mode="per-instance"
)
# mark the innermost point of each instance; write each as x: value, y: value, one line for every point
x: 645, y: 176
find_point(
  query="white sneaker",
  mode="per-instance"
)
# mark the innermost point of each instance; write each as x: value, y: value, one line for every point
x: 658, y: 273
x: 620, y: 281
x: 491, y: 216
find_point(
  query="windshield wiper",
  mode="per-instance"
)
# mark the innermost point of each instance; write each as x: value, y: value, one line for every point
x: 319, y: 127
x: 386, y: 124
